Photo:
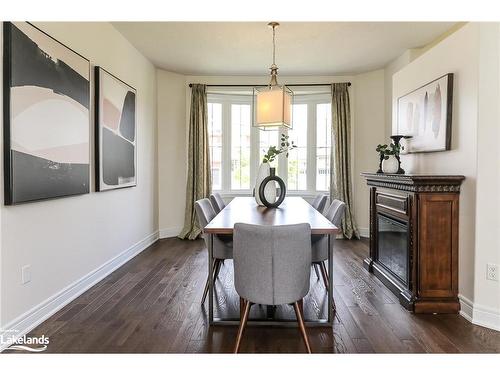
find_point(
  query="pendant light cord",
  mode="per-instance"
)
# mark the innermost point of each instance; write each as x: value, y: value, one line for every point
x: 274, y: 45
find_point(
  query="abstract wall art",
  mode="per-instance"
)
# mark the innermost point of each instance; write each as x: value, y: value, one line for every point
x: 46, y: 123
x: 115, y: 119
x: 425, y: 115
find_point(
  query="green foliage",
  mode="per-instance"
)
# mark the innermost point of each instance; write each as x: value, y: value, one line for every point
x: 387, y: 150
x: 273, y: 151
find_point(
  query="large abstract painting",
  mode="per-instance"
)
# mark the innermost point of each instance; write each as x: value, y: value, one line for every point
x: 115, y: 132
x: 425, y: 115
x: 46, y: 116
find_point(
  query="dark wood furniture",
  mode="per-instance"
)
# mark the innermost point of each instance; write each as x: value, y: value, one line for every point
x: 414, y: 238
x: 293, y: 210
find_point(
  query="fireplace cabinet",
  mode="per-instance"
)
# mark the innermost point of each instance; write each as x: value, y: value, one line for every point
x: 414, y: 239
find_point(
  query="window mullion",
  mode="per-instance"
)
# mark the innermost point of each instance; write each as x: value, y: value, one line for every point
x: 254, y: 153
x: 226, y: 149
x: 311, y: 146
x: 282, y: 159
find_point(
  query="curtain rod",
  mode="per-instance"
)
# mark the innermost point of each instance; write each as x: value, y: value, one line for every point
x: 292, y: 84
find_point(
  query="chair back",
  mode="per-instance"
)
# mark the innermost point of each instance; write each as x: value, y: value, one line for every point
x: 217, y: 202
x: 272, y: 264
x: 335, y: 212
x: 205, y: 213
x: 319, y: 202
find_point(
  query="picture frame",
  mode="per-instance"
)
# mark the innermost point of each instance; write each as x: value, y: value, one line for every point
x: 425, y: 114
x: 46, y: 116
x: 115, y: 132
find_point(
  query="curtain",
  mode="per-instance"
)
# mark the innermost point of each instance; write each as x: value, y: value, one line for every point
x: 340, y: 176
x: 199, y: 184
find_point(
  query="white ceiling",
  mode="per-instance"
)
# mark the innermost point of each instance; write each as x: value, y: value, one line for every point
x: 303, y: 48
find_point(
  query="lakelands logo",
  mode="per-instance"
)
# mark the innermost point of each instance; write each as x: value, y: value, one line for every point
x: 24, y: 343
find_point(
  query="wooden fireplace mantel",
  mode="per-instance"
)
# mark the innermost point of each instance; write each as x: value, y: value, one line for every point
x: 424, y: 210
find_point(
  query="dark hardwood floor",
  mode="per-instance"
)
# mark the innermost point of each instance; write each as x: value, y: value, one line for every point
x: 152, y: 305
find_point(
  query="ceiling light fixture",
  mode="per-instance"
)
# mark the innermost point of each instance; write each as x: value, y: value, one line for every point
x: 273, y: 103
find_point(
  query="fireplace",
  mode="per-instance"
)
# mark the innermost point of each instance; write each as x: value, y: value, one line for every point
x: 392, y: 251
x: 414, y: 239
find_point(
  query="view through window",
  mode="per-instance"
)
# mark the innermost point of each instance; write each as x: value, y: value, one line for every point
x: 237, y: 147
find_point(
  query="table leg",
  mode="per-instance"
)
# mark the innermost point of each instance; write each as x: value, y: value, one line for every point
x: 210, y: 280
x: 330, y: 280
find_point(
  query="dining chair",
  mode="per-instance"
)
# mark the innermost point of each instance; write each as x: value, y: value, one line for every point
x: 319, y: 202
x: 320, y: 242
x: 222, y: 244
x: 272, y: 267
x: 217, y: 202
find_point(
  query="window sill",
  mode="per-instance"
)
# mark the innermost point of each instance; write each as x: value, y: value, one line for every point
x: 248, y: 193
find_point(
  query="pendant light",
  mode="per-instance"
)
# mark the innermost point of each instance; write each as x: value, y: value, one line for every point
x: 273, y: 103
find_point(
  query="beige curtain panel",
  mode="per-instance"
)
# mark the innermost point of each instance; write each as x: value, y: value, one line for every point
x: 340, y: 176
x: 199, y: 184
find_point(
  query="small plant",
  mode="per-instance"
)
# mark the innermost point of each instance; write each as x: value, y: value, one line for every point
x: 385, y: 151
x: 273, y: 151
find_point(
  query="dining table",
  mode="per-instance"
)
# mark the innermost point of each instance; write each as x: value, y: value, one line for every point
x: 293, y: 210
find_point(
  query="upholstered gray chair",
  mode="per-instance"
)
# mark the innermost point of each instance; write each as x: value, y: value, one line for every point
x: 217, y: 202
x: 272, y: 267
x: 222, y: 244
x: 319, y: 202
x: 320, y: 242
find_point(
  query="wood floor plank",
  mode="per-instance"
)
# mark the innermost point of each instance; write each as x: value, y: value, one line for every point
x: 152, y: 304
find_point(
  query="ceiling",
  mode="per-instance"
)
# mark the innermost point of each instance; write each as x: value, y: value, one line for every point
x: 303, y: 48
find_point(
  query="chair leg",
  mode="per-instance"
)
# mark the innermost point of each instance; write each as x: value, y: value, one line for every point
x: 300, y: 319
x: 315, y: 266
x: 242, y: 308
x: 217, y: 268
x: 205, y: 292
x: 324, y: 273
x: 243, y: 323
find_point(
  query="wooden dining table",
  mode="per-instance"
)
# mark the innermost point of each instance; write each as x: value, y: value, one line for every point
x: 293, y: 210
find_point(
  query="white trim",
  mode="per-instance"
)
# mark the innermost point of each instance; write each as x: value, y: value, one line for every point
x: 486, y: 317
x: 38, y: 314
x: 364, y: 232
x: 170, y: 232
x: 478, y: 314
x: 290, y: 193
x: 466, y: 307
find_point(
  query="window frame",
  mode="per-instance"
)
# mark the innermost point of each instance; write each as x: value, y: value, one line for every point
x: 226, y: 100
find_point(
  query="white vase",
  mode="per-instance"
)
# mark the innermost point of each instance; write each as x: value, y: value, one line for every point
x: 270, y: 189
x: 390, y: 165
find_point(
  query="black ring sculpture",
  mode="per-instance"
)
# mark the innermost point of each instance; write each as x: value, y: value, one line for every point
x: 272, y: 177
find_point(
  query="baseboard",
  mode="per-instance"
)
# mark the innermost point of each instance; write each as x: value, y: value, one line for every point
x: 38, y: 314
x: 364, y: 232
x: 478, y: 314
x: 170, y: 232
x: 486, y: 317
x: 466, y: 307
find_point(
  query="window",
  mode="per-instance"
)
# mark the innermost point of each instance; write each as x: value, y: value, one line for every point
x: 297, y: 159
x: 323, y: 145
x: 237, y: 148
x: 215, y: 143
x: 240, y: 146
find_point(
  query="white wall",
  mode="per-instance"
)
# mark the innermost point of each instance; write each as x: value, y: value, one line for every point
x: 367, y: 106
x: 65, y: 239
x: 172, y: 151
x: 368, y: 131
x: 389, y: 70
x: 474, y: 105
x: 487, y: 292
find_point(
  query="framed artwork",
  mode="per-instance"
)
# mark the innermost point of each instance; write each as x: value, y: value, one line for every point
x: 46, y: 116
x: 425, y: 115
x: 115, y: 132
